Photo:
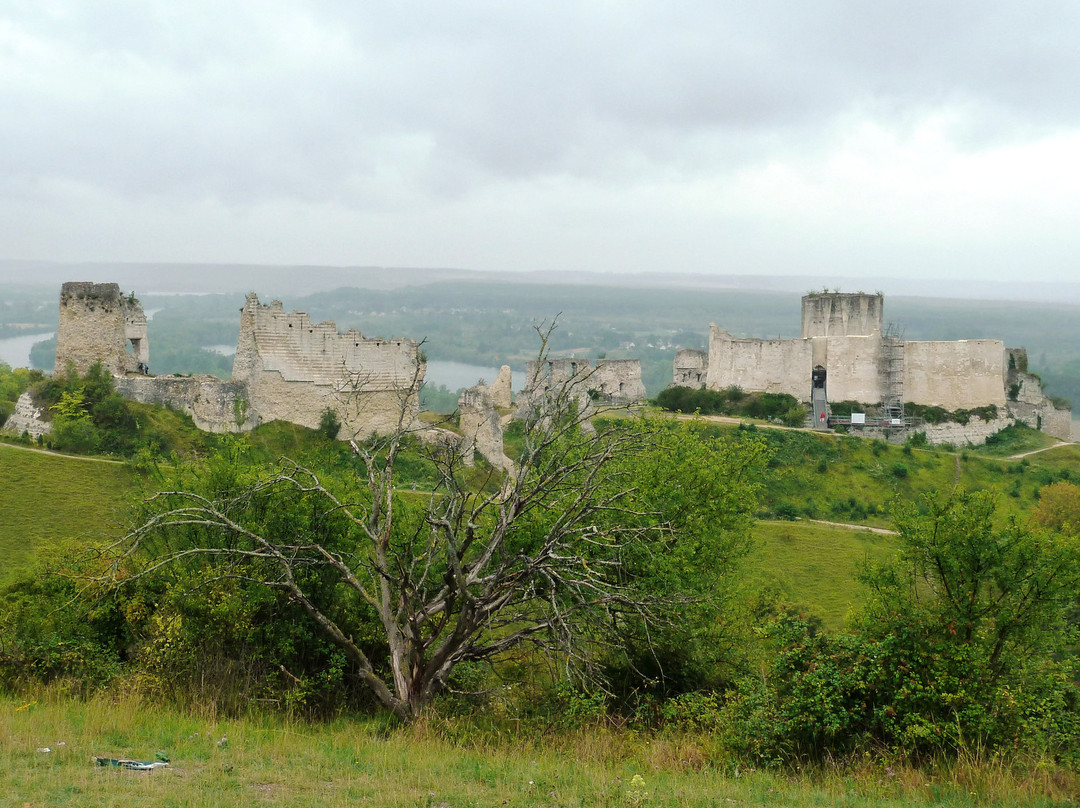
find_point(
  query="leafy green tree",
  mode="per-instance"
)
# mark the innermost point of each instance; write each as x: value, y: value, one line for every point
x: 1059, y: 508
x: 587, y: 541
x: 964, y: 642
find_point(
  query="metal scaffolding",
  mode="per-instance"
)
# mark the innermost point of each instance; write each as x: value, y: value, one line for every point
x: 892, y: 368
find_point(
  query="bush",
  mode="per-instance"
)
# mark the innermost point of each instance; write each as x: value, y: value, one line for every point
x: 329, y: 424
x: 786, y: 510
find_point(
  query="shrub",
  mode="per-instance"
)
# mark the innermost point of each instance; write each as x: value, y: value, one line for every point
x: 786, y: 510
x: 329, y: 424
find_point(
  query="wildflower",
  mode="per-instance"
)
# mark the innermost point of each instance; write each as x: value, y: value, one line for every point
x: 636, y: 793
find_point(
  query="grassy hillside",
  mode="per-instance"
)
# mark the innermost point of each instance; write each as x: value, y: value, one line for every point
x: 844, y: 478
x: 814, y: 567
x: 49, y: 503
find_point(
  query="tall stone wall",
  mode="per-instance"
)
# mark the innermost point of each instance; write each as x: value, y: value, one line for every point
x: 295, y: 369
x: 842, y: 315
x: 98, y: 324
x: 955, y: 375
x: 852, y: 368
x: 770, y: 366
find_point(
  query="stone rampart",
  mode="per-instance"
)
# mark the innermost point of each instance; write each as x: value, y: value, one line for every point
x: 955, y: 375
x: 759, y: 365
x: 295, y: 369
x: 851, y: 365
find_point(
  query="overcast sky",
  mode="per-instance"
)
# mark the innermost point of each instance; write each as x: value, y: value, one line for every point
x: 799, y: 138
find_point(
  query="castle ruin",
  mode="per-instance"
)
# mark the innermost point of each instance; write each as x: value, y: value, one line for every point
x: 286, y: 367
x: 846, y: 354
x: 99, y: 324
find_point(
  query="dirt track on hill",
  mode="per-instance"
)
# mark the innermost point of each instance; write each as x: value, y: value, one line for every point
x: 61, y: 454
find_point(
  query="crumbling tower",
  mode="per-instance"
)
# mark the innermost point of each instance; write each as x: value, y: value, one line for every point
x: 98, y: 324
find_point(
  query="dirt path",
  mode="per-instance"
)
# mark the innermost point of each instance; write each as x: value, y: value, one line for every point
x: 61, y: 454
x: 1043, y: 449
x: 881, y: 530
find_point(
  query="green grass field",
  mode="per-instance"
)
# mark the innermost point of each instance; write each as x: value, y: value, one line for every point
x: 49, y: 503
x: 816, y: 566
x: 270, y: 759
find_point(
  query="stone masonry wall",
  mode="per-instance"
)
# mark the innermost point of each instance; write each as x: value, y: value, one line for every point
x: 97, y: 323
x: 955, y: 375
x: 294, y: 369
x: 481, y: 429
x: 842, y: 315
x: 770, y: 366
x: 852, y: 368
x: 691, y: 368
x: 213, y: 404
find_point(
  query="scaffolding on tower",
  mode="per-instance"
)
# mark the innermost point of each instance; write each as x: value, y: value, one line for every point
x: 892, y: 346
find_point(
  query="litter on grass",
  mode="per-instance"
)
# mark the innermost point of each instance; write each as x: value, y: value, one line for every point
x: 132, y: 765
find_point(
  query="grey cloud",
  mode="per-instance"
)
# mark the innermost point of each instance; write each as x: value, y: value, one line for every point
x: 324, y: 101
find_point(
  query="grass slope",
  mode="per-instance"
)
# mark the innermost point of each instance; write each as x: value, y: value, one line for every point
x: 273, y: 760
x: 815, y: 567
x: 49, y: 502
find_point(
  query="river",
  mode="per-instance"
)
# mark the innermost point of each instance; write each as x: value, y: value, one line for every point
x: 15, y: 351
x: 456, y: 375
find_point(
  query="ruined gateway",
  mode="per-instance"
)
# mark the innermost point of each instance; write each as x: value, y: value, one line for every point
x: 845, y: 354
x: 286, y: 367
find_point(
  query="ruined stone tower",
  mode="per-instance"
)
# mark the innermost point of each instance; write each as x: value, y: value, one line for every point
x: 98, y: 324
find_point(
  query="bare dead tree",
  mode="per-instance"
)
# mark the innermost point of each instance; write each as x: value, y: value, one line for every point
x: 540, y: 558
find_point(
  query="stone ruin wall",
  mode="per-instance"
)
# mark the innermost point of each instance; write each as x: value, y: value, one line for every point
x: 213, y: 404
x: 765, y: 365
x: 842, y: 315
x: 963, y: 374
x: 852, y: 365
x: 294, y: 369
x: 843, y: 333
x: 502, y: 390
x: 99, y: 324
x: 481, y: 428
x: 691, y: 368
x: 611, y: 381
x: 1027, y: 402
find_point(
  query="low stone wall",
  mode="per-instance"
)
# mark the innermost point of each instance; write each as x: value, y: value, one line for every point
x: 213, y: 404
x: 975, y: 431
